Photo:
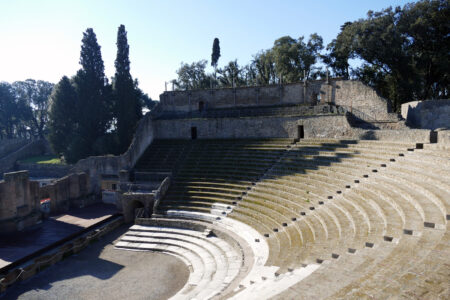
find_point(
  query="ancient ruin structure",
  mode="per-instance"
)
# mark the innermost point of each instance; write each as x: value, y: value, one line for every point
x: 311, y: 190
x: 20, y: 198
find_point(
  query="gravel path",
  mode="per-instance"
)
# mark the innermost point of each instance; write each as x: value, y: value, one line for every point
x: 102, y: 272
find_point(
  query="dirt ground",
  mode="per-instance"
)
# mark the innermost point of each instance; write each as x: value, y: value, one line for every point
x: 102, y: 272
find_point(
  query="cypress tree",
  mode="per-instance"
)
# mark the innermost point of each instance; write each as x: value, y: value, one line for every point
x: 93, y: 110
x: 215, y: 53
x: 128, y: 107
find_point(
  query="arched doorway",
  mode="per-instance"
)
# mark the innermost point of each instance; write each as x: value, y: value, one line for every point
x: 136, y: 209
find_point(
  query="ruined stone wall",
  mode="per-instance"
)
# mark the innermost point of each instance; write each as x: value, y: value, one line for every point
x: 361, y: 98
x: 19, y: 202
x: 430, y: 114
x: 65, y: 191
x: 186, y: 101
x: 351, y: 94
x: 20, y: 198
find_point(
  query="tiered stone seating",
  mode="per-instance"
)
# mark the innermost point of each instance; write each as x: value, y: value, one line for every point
x: 219, y: 172
x: 404, y: 205
x: 162, y: 155
x: 372, y: 214
x: 214, y: 263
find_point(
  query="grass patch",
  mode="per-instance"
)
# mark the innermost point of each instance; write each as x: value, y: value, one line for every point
x: 43, y: 159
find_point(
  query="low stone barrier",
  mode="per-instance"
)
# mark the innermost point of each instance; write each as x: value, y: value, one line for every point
x: 161, y: 192
x: 406, y: 136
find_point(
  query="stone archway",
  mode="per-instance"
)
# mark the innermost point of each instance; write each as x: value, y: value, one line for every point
x: 137, y: 205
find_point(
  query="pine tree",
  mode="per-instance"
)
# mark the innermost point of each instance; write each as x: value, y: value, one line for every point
x: 128, y: 107
x: 61, y: 116
x: 93, y: 110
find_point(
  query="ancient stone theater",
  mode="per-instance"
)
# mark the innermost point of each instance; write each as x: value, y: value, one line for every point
x: 310, y: 190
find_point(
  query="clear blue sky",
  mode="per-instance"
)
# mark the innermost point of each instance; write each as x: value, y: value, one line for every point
x: 41, y: 39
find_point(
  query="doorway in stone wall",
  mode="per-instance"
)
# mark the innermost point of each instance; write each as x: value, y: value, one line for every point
x: 193, y: 133
x: 300, y: 132
x: 201, y: 105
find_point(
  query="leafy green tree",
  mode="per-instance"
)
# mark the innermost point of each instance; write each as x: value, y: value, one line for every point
x: 128, y: 107
x: 94, y: 107
x: 15, y: 113
x: 231, y: 75
x: 8, y: 111
x: 34, y: 94
x: 193, y: 76
x: 426, y: 24
x: 264, y: 64
x: 404, y: 52
x: 295, y: 59
x: 286, y: 56
x: 339, y: 53
x: 62, y: 124
x: 250, y: 74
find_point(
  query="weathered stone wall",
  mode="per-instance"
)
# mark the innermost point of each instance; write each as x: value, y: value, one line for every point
x: 254, y: 127
x: 297, y: 93
x: 347, y: 93
x: 19, y: 202
x: 361, y: 98
x: 319, y: 126
x: 430, y: 114
x: 64, y: 191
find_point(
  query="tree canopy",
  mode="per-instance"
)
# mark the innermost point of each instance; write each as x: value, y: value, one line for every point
x: 24, y: 108
x: 404, y: 51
